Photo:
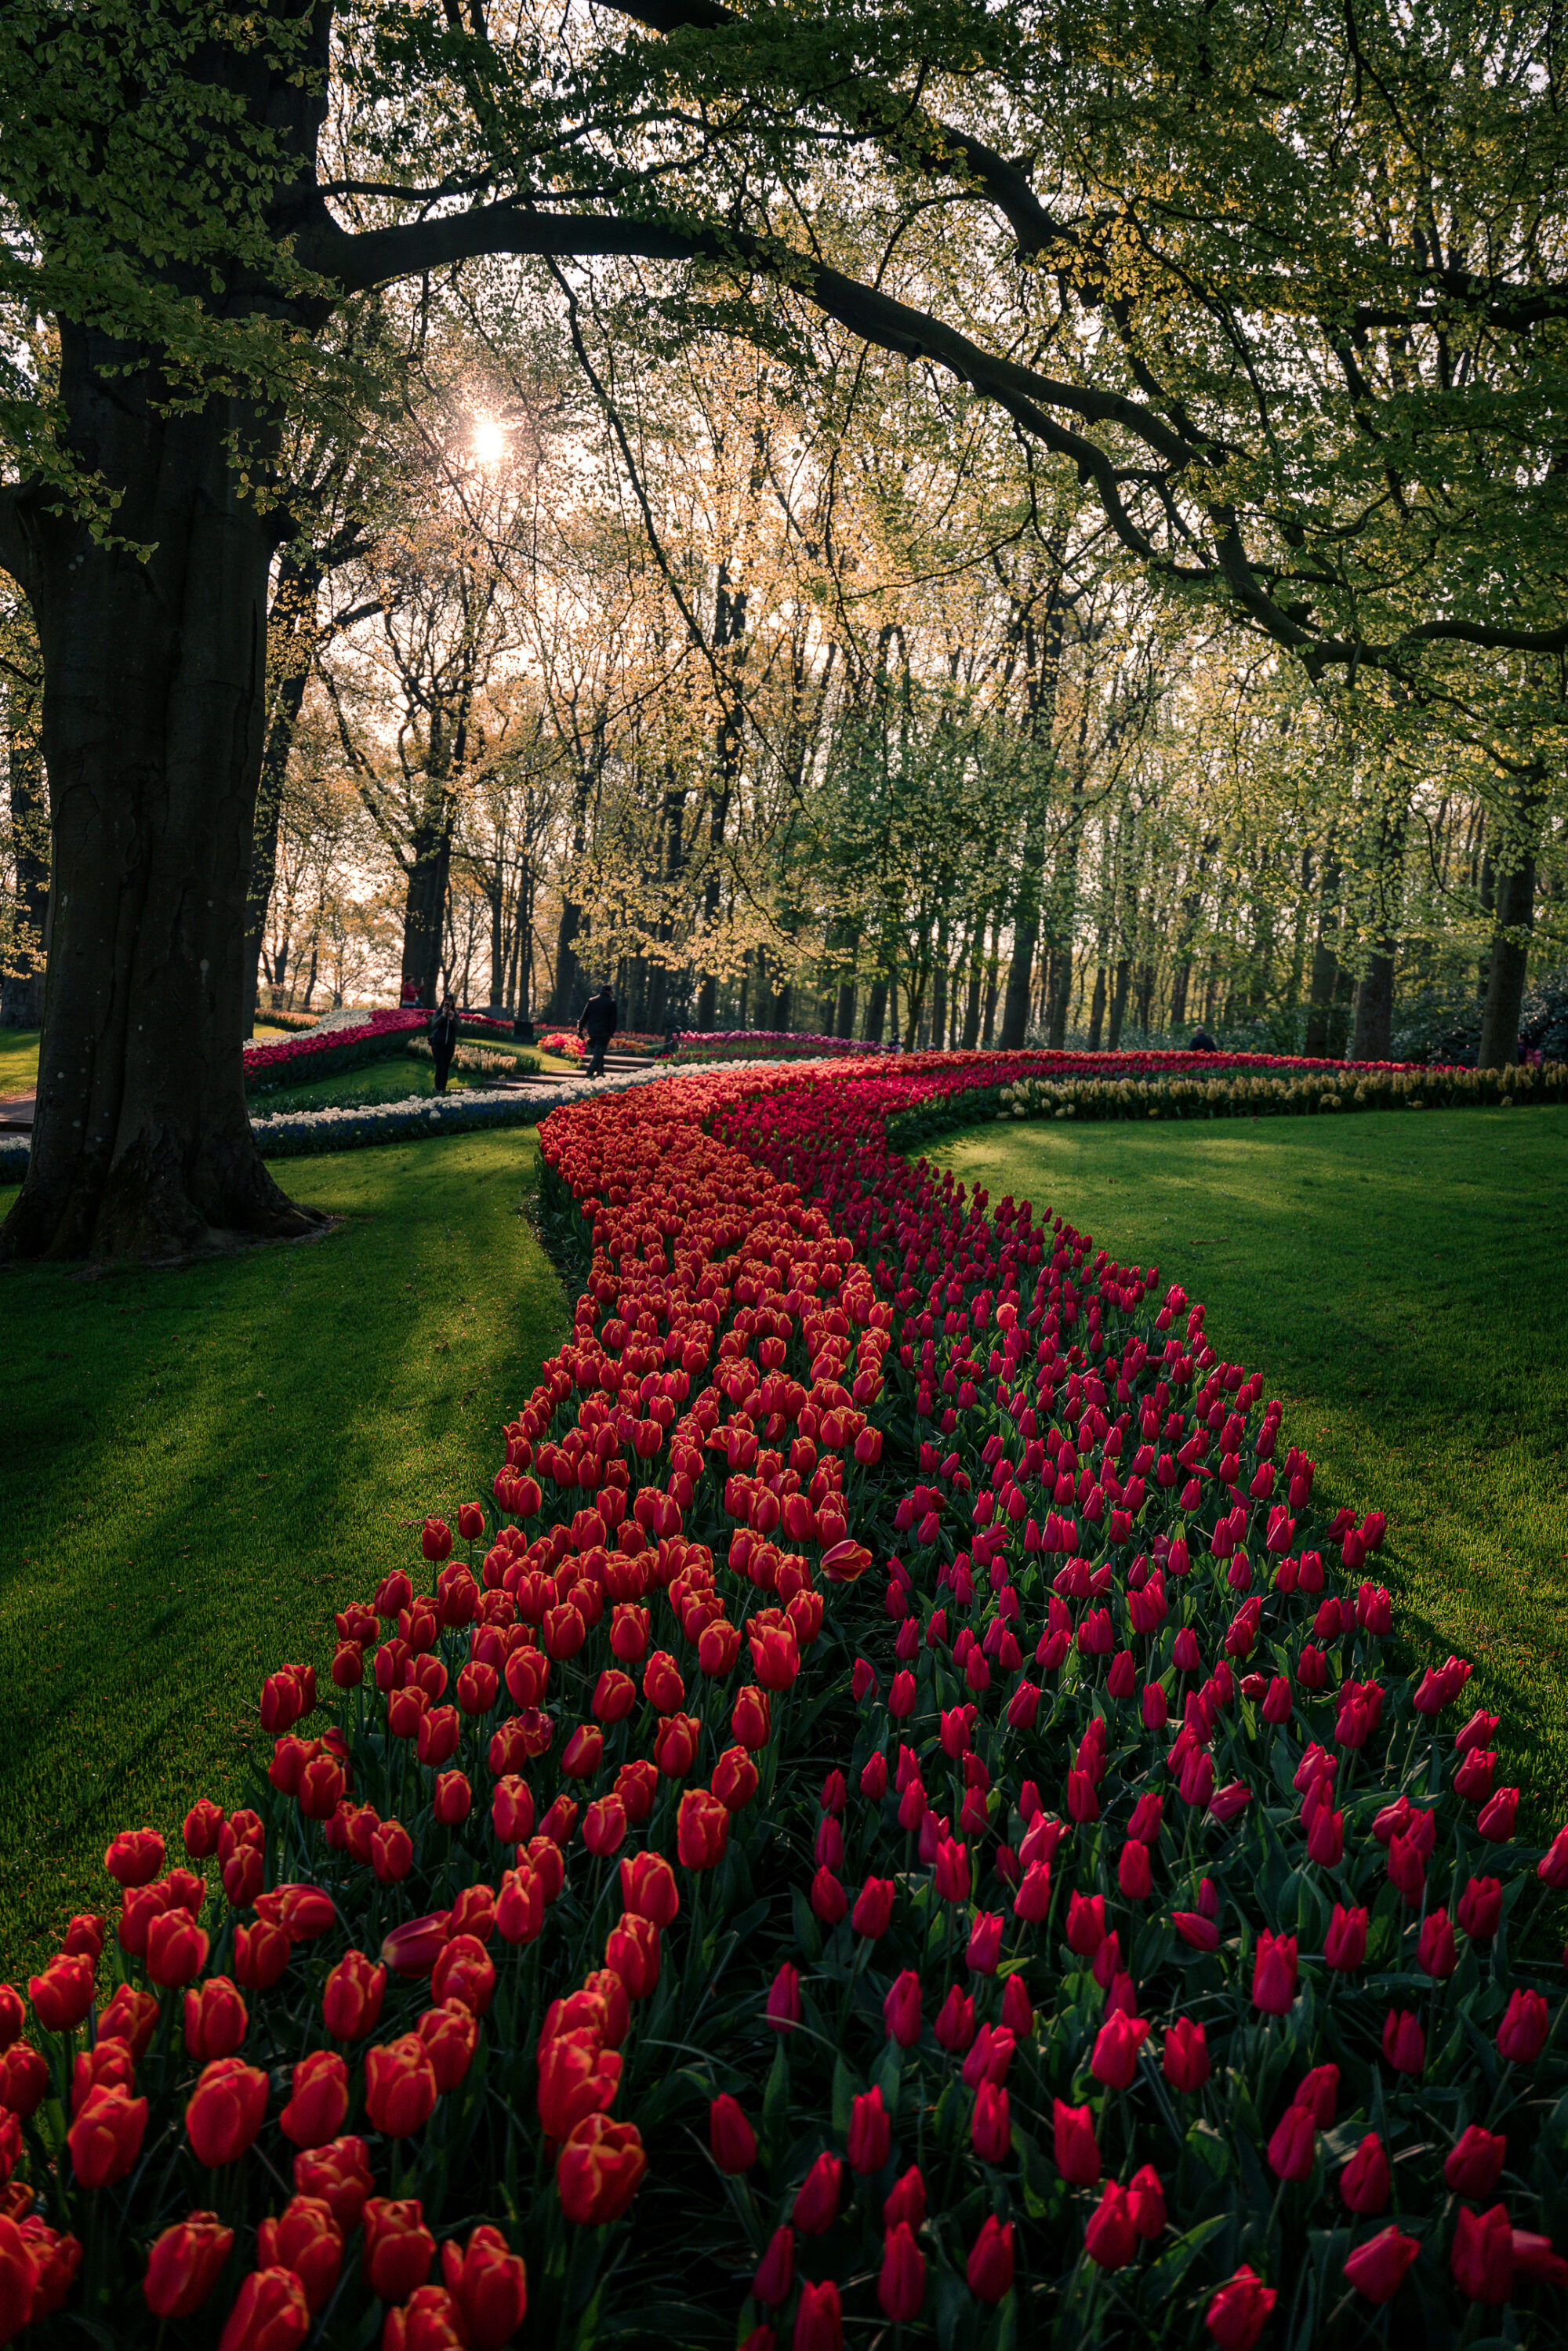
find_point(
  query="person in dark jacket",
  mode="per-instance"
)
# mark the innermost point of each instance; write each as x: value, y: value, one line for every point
x: 1202, y: 1042
x: 597, y: 1025
x: 444, y: 1039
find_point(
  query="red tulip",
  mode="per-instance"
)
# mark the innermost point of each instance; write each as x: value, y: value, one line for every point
x: 819, y: 2319
x: 870, y: 2132
x: 989, y: 2270
x: 450, y: 2034
x: 1403, y: 2042
x: 577, y: 2078
x: 1482, y: 2255
x: 62, y: 1995
x: 900, y: 2285
x: 490, y: 2285
x: 304, y: 2237
x: 1111, y: 2241
x: 105, y: 2139
x: 319, y: 2104
x: 225, y: 2110
x: 631, y: 1953
x: 598, y: 2171
x: 751, y: 1719
x: 184, y: 2265
x: 735, y: 1778
x: 872, y: 1912
x: 1293, y: 2149
x: 1238, y: 2313
x: 399, y: 2086
x: 901, y: 2010
x: 990, y: 2126
x: 1344, y: 1945
x: 730, y: 2136
x: 1378, y: 2268
x: 135, y: 1856
x: 1076, y: 2152
x: 1521, y: 2035
x: 906, y: 2200
x: 340, y: 2175
x: 1366, y: 2182
x: 1480, y: 1908
x: 1475, y: 2164
x: 1185, y: 2055
x: 702, y: 1830
x: 776, y: 2271
x: 520, y: 1905
x: 464, y: 1971
x: 352, y: 2002
x: 649, y: 1887
x: 435, y: 1542
x: 397, y: 2248
x: 1115, y: 2060
x: 270, y: 2314
x: 1435, y: 1953
x: 1274, y: 1973
x: 784, y: 2000
x: 816, y: 2206
x: 1146, y: 2203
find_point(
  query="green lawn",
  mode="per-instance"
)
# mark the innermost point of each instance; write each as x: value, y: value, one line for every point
x: 199, y: 1467
x: 399, y: 1077
x: 1401, y: 1280
x: 18, y: 1061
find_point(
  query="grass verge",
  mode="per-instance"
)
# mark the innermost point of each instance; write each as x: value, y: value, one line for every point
x: 1398, y: 1280
x: 201, y: 1466
x: 18, y: 1061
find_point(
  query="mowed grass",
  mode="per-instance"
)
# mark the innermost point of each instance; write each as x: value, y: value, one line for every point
x: 18, y: 1061
x: 199, y: 1467
x: 1400, y: 1278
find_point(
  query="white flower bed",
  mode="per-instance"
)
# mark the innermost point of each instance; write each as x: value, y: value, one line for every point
x: 291, y: 1134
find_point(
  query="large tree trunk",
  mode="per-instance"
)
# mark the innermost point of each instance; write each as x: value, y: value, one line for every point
x: 1508, y: 962
x: 154, y: 677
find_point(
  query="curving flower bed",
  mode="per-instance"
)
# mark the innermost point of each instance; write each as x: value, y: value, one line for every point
x: 321, y: 1054
x: 904, y: 1815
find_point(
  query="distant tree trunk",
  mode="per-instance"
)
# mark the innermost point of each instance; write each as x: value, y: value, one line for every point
x: 1041, y: 627
x: 939, y: 987
x: 22, y: 987
x: 875, y: 1011
x: 972, y: 1008
x: 1325, y: 962
x: 993, y: 982
x: 290, y: 635
x: 1373, y: 1039
x: 1097, y: 1009
x: 1508, y: 961
x: 844, y: 1024
x: 1119, y: 1001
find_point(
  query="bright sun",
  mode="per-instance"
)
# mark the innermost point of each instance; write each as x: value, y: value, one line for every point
x: 489, y: 438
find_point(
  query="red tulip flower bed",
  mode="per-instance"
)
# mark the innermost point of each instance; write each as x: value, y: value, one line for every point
x: 899, y: 1812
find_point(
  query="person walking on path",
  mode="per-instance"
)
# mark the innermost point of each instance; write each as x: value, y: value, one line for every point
x: 597, y: 1025
x: 444, y: 1039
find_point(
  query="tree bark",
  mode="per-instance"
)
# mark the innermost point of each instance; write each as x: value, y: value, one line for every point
x: 1373, y: 1037
x: 154, y: 678
x: 1325, y: 962
x: 1509, y: 962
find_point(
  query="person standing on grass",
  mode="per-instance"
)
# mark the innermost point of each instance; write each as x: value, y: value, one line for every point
x: 597, y: 1025
x: 444, y: 1039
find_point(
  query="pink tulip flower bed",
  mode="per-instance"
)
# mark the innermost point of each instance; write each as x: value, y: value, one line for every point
x: 900, y: 1819
x: 313, y: 1054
